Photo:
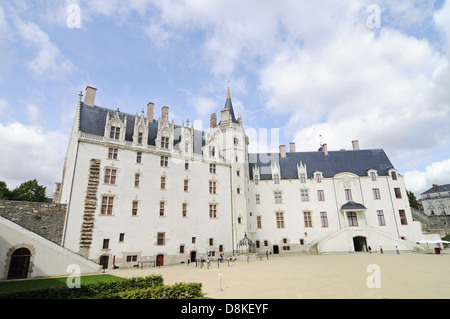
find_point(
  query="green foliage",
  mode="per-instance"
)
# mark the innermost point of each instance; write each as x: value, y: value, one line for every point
x: 176, y: 291
x: 92, y: 290
x: 29, y: 191
x: 412, y: 200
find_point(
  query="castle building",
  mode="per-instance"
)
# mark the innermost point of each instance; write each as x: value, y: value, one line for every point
x: 436, y: 200
x: 140, y: 188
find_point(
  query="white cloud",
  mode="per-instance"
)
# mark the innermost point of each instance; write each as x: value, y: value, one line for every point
x: 420, y: 181
x: 49, y: 61
x: 30, y: 152
x: 33, y: 114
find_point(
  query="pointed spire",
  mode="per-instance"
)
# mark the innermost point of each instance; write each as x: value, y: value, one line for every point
x: 229, y: 105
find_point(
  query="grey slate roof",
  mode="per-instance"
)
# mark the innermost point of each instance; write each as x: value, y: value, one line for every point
x: 335, y: 162
x: 439, y: 189
x: 351, y: 205
x: 93, y: 120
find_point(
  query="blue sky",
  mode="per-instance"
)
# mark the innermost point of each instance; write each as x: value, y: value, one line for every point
x: 304, y: 68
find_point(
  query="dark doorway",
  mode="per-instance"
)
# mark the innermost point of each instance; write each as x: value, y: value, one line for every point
x: 104, y: 262
x: 275, y: 249
x: 19, y: 264
x: 193, y: 255
x: 359, y: 242
x: 160, y: 260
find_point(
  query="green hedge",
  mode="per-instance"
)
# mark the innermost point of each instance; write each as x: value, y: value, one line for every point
x: 176, y: 291
x: 94, y: 290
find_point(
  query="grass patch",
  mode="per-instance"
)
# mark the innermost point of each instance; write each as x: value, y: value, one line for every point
x: 8, y: 287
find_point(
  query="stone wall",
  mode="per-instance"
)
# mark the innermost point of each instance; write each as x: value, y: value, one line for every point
x: 437, y: 224
x: 44, y: 219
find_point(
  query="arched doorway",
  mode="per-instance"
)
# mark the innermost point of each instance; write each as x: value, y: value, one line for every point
x: 359, y: 243
x: 160, y: 260
x: 19, y: 264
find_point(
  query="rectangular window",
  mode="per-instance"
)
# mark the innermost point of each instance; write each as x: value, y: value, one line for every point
x: 212, y: 187
x: 105, y: 244
x: 402, y: 214
x: 110, y: 176
x: 136, y: 179
x: 302, y: 178
x: 236, y: 141
x: 258, y: 200
x: 318, y: 178
x: 181, y: 249
x: 238, y: 190
x: 121, y: 237
x: 320, y: 195
x: 348, y: 194
x: 186, y: 165
x: 380, y: 216
x: 161, y: 239
x: 212, y: 168
x: 373, y: 176
x: 280, y: 219
x: 276, y: 179
x: 114, y: 133
x: 324, y: 219
x: 398, y: 193
x: 376, y: 193
x: 256, y: 179
x: 138, y: 157
x: 107, y: 205
x: 112, y: 153
x: 277, y: 196
x: 184, y: 209
x: 161, y: 208
x: 307, y: 218
x: 163, y: 182
x: 258, y: 222
x: 394, y: 176
x: 164, y: 161
x: 186, y: 147
x: 134, y: 210
x: 186, y: 185
x: 164, y: 142
x: 131, y: 258
x: 140, y: 138
x: 212, y: 151
x: 211, y: 241
x: 304, y: 195
x: 193, y: 240
x: 212, y: 210
x: 352, y: 220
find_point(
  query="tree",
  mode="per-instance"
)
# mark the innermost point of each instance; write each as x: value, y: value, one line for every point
x: 5, y: 193
x: 412, y: 200
x: 30, y: 191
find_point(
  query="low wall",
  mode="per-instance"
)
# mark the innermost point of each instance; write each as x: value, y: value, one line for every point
x: 44, y: 219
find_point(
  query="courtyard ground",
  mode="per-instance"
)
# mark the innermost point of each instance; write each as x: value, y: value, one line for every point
x: 344, y: 276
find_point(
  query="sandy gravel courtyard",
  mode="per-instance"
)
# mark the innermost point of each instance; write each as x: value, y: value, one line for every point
x: 347, y: 276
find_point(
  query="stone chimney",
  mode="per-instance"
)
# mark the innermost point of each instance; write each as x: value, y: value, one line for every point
x: 292, y: 146
x: 89, y: 98
x: 213, y: 120
x: 355, y: 145
x: 150, y: 111
x: 164, y: 113
x: 283, y: 150
x: 325, y: 149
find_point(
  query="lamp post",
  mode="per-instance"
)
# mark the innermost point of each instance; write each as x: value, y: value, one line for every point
x: 220, y: 280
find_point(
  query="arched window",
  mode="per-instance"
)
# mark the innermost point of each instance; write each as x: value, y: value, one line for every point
x: 19, y: 264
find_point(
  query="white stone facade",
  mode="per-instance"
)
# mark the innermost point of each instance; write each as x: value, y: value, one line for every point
x: 165, y: 193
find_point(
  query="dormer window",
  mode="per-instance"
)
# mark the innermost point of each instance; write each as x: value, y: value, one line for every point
x: 394, y: 175
x: 276, y: 179
x: 256, y: 179
x: 319, y: 178
x: 212, y: 151
x: 236, y: 141
x: 114, y: 133
x: 164, y: 142
x: 140, y: 134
